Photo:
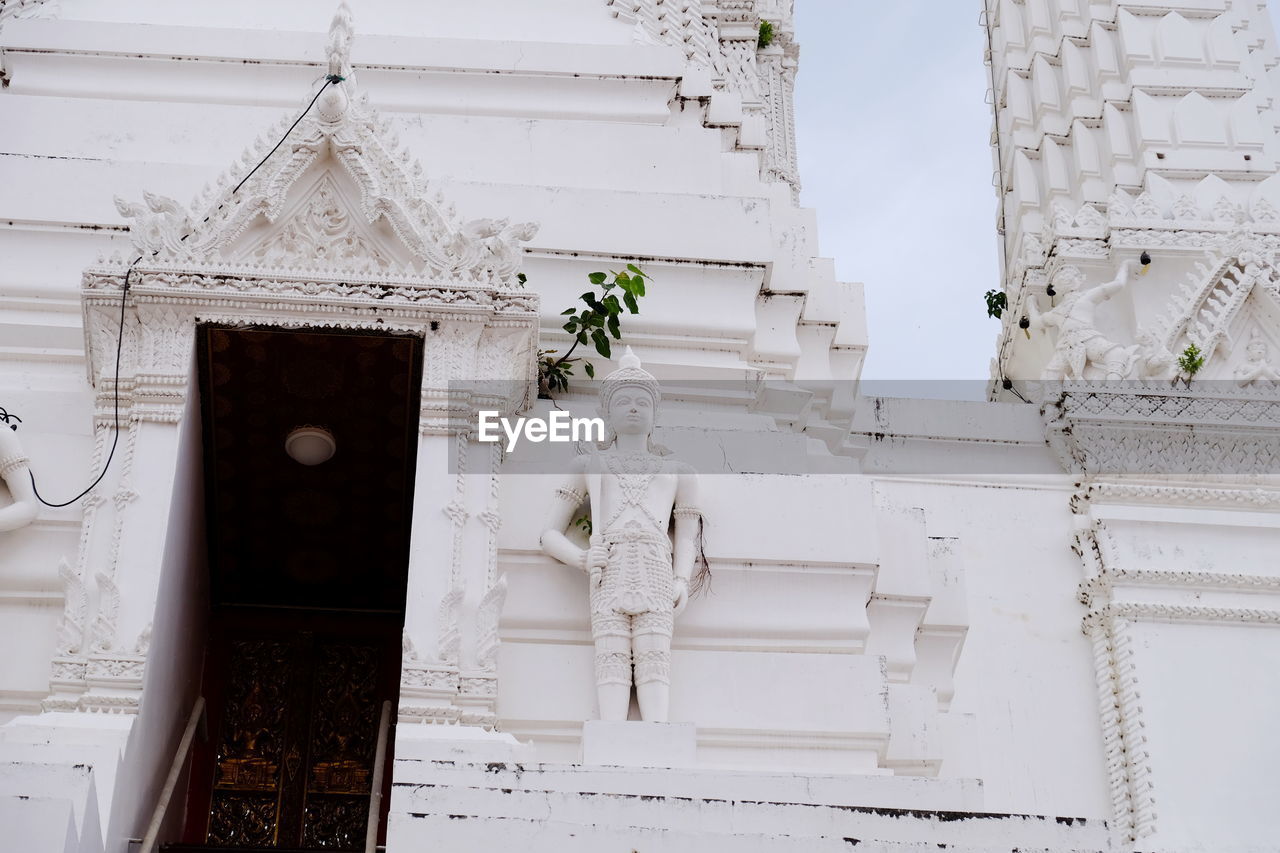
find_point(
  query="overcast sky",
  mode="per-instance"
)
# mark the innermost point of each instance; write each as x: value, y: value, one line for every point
x: 893, y: 143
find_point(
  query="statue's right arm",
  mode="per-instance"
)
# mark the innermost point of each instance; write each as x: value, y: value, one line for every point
x: 17, y: 476
x: 564, y: 503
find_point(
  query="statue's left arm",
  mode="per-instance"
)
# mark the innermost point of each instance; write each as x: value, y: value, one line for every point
x: 688, y: 520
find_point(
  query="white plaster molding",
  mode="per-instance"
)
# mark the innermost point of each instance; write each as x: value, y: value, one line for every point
x: 1149, y: 612
x: 1244, y: 497
x: 1132, y: 799
x: 1153, y: 428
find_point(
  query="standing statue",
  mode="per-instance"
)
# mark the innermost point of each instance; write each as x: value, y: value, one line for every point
x: 1080, y: 345
x: 17, y: 476
x: 639, y: 579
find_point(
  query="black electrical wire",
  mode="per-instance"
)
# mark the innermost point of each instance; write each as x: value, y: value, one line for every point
x: 124, y: 296
x: 330, y: 80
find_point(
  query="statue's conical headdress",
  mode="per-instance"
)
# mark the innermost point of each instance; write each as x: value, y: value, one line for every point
x: 629, y: 374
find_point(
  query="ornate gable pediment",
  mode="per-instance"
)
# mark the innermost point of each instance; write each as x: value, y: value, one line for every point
x: 336, y: 194
x: 326, y: 222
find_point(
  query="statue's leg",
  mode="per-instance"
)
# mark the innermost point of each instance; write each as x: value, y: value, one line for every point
x: 612, y: 633
x: 652, y: 644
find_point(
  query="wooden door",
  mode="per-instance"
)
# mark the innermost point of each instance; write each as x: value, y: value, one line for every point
x: 293, y: 732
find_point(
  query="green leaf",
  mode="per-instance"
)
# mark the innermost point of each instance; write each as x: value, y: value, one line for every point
x: 630, y: 300
x: 590, y: 368
x: 570, y: 327
x: 597, y: 278
x: 601, y: 341
x: 637, y: 286
x: 566, y: 311
x: 582, y: 338
x: 622, y: 279
x: 612, y: 305
x: 614, y: 328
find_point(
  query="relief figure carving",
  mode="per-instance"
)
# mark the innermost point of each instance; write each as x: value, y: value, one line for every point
x: 1082, y: 351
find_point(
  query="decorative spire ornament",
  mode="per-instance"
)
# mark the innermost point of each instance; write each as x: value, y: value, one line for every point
x: 341, y: 33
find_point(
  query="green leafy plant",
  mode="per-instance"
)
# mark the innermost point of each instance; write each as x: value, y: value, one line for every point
x: 766, y: 35
x: 1191, y: 361
x: 997, y: 301
x: 583, y: 522
x: 599, y: 323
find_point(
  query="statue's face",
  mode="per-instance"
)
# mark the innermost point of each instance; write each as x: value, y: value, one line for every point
x: 631, y: 412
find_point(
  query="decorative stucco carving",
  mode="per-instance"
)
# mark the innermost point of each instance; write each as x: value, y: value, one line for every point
x: 337, y: 227
x: 1257, y: 367
x: 102, y: 631
x: 487, y: 616
x: 75, y: 611
x: 341, y: 140
x: 721, y: 37
x: 449, y: 643
x: 1152, y: 428
x: 20, y: 9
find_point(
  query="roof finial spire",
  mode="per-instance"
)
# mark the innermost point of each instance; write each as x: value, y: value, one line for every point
x: 341, y: 32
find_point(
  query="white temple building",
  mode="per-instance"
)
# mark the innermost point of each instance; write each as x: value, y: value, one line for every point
x: 266, y: 265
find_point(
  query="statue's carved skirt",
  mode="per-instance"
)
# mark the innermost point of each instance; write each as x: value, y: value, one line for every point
x: 637, y: 581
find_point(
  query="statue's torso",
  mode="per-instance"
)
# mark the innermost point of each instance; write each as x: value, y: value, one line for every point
x: 635, y: 488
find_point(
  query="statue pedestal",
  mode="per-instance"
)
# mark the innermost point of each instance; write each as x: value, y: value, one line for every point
x: 637, y: 744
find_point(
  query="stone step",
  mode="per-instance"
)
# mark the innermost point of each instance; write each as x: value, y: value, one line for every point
x: 463, y: 834
x: 712, y: 804
x: 831, y: 789
x: 30, y: 824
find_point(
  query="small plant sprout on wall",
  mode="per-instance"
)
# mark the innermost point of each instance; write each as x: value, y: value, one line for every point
x: 599, y: 322
x: 766, y: 35
x: 1190, y: 362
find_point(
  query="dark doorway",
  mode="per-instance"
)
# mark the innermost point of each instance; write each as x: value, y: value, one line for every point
x: 308, y: 571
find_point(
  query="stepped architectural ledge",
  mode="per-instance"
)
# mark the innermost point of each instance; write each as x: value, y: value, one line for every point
x: 481, y: 459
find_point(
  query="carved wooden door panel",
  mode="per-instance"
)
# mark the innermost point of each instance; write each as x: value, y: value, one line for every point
x: 294, y: 727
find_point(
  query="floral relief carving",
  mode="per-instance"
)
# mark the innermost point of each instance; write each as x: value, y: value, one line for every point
x: 323, y: 231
